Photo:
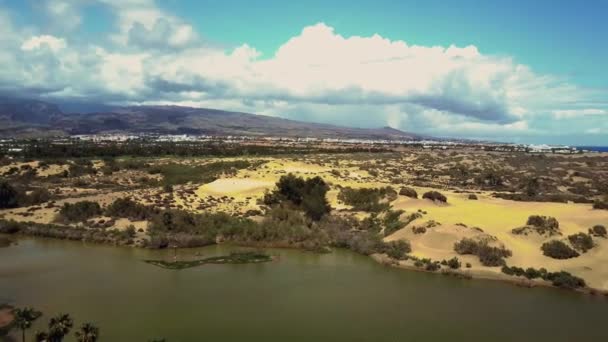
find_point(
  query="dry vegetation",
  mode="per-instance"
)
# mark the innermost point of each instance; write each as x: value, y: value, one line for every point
x: 482, y: 214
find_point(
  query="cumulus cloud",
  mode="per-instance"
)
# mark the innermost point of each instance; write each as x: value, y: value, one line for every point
x: 151, y: 56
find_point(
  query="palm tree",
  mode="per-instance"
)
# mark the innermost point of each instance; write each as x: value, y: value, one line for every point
x: 24, y: 319
x: 59, y: 326
x: 87, y: 333
x: 41, y: 336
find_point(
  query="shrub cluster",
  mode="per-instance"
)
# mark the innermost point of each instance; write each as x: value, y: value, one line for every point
x: 435, y: 196
x: 453, y: 263
x: 559, y: 279
x: 127, y: 208
x: 79, y: 211
x: 408, y: 192
x: 558, y: 250
x: 488, y: 255
x: 367, y: 199
x: 598, y: 231
x: 308, y: 195
x: 541, y: 225
x: 391, y: 222
x: 397, y: 249
x: 12, y: 197
x: 581, y: 241
x: 600, y: 205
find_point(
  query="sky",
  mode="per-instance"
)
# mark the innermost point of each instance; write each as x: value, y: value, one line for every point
x: 517, y: 71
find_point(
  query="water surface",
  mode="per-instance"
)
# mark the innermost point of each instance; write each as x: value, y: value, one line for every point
x: 303, y: 296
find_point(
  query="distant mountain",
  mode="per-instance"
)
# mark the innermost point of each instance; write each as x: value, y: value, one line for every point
x: 33, y: 118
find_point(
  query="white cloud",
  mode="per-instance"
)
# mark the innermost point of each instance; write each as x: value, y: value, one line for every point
x: 573, y: 113
x: 39, y: 42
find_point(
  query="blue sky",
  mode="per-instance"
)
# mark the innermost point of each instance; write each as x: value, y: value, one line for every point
x: 524, y: 71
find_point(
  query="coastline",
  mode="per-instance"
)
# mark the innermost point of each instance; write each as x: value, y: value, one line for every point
x: 484, y: 275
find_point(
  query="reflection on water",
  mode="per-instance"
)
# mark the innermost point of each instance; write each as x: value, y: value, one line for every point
x: 302, y: 296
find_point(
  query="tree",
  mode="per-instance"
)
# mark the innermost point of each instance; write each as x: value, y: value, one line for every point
x: 41, y: 336
x: 59, y: 327
x: 87, y: 333
x: 24, y: 319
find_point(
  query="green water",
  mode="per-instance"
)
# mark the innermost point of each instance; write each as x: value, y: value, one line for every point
x: 300, y: 297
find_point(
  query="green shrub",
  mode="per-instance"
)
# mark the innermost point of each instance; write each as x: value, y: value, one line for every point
x: 79, y: 211
x: 488, y: 255
x: 600, y: 205
x: 581, y: 241
x: 473, y: 197
x: 435, y: 196
x: 453, y: 263
x: 408, y: 192
x: 398, y: 249
x: 598, y: 231
x: 558, y: 250
x: 367, y: 199
x: 391, y: 222
x: 306, y: 194
x: 127, y: 208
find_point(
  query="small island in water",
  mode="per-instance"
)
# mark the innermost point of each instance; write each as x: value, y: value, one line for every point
x: 232, y: 258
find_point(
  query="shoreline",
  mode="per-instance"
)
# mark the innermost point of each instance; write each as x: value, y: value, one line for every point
x: 475, y: 275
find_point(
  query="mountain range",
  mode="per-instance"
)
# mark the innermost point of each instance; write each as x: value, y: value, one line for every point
x: 35, y: 118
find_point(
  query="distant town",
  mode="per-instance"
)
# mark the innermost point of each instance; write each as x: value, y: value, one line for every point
x: 15, y: 145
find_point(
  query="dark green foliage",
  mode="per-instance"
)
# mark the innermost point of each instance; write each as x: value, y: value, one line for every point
x: 87, y: 333
x: 367, y: 199
x: 453, y: 263
x: 565, y: 280
x: 598, y: 231
x: 79, y: 211
x: 558, y: 250
x: 435, y: 196
x: 547, y: 222
x: 559, y: 279
x: 539, y: 224
x: 600, y: 205
x: 581, y: 241
x: 408, y: 192
x: 127, y: 208
x: 174, y: 174
x: 398, y: 249
x: 8, y: 196
x: 488, y: 255
x: 391, y: 222
x: 309, y: 195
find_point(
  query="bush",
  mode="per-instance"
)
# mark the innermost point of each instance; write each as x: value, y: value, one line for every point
x: 488, y: 255
x: 79, y: 211
x: 558, y: 250
x: 473, y: 197
x: 435, y: 196
x: 398, y: 249
x: 391, y: 222
x: 565, y: 280
x: 408, y: 192
x: 127, y: 208
x: 454, y: 263
x: 543, y: 222
x: 367, y: 199
x: 600, y: 205
x: 308, y: 195
x: 581, y: 242
x: 559, y: 279
x: 598, y: 231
